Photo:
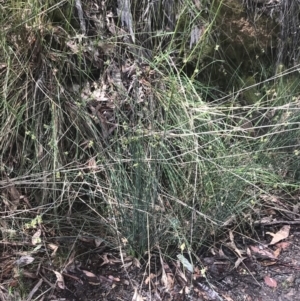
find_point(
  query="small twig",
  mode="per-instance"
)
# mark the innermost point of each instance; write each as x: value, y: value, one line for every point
x: 294, y: 222
x: 15, y: 244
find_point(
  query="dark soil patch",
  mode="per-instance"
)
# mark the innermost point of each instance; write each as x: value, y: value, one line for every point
x: 80, y: 270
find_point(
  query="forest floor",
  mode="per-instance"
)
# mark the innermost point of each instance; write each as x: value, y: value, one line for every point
x: 86, y: 268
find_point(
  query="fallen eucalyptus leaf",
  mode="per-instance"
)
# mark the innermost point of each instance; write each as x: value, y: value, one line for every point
x: 283, y: 233
x: 59, y: 280
x: 185, y: 263
x: 24, y: 260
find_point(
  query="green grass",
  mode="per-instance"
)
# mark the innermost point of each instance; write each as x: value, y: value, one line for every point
x: 185, y: 156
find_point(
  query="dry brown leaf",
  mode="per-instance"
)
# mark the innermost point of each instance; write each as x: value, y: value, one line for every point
x: 12, y: 283
x: 105, y: 259
x: 53, y: 247
x: 185, y: 262
x: 36, y: 237
x: 28, y: 274
x: 283, y: 245
x: 137, y: 296
x: 277, y: 252
x: 262, y: 252
x: 71, y: 265
x: 187, y: 290
x: 136, y: 263
x: 271, y: 198
x: 59, y: 280
x: 127, y: 265
x: 221, y: 253
x: 280, y: 235
x: 89, y: 274
x: 168, y: 282
x: 14, y: 194
x: 233, y: 246
x: 13, y: 198
x: 197, y: 271
x: 92, y: 278
x: 24, y: 260
x: 86, y: 239
x: 270, y: 281
x: 150, y: 277
x: 113, y: 278
x: 239, y: 252
x: 166, y: 278
x: 227, y: 298
x: 128, y: 258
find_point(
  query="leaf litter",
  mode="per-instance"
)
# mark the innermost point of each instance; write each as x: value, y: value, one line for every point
x: 92, y: 268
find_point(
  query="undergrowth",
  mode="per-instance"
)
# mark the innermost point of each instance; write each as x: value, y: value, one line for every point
x: 124, y: 138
